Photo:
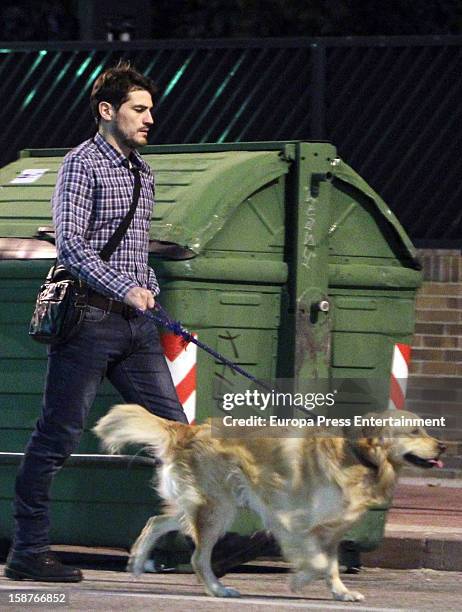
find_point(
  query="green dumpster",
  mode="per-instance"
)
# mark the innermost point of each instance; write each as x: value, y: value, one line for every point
x: 276, y: 254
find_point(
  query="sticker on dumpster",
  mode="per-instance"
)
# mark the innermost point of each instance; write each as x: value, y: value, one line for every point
x: 29, y: 175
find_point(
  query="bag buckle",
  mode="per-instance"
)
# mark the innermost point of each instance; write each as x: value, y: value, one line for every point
x: 81, y: 297
x: 109, y: 306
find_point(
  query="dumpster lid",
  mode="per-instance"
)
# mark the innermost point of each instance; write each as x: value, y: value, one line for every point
x: 196, y: 193
x: 343, y: 172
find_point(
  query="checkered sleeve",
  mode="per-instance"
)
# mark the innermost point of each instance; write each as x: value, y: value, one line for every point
x: 153, y: 284
x: 72, y: 204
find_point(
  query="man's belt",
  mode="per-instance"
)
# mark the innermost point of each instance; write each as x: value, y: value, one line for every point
x: 109, y: 305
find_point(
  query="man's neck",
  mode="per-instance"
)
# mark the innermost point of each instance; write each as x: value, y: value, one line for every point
x: 118, y: 146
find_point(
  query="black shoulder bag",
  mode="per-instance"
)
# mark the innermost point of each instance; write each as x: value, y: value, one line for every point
x: 61, y: 300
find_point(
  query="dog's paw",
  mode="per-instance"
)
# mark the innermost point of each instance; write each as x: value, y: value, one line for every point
x: 295, y: 583
x: 299, y: 580
x: 223, y: 591
x: 135, y: 565
x: 349, y: 596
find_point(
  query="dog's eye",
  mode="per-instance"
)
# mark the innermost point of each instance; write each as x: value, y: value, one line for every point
x: 415, y: 432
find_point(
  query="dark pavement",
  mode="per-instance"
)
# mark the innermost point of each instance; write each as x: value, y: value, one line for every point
x: 417, y: 567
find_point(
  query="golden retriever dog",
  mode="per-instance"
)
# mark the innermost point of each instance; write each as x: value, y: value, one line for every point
x: 308, y: 489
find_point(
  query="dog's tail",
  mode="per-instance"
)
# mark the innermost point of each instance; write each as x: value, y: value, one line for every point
x: 130, y: 423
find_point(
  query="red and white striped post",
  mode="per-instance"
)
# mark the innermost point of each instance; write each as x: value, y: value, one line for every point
x: 399, y: 376
x: 181, y: 360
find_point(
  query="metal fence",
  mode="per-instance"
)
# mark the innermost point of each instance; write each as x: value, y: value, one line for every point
x: 390, y: 105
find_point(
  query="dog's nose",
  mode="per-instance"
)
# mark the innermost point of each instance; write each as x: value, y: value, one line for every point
x: 441, y: 447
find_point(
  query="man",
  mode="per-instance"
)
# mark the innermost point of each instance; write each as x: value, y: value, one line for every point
x: 93, y: 194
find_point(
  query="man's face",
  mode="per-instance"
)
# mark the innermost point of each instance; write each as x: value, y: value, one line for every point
x: 130, y: 124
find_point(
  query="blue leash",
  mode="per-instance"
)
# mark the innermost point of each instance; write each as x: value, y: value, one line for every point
x: 161, y: 317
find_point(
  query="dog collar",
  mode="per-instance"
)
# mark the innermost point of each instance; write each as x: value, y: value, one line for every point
x: 361, y: 458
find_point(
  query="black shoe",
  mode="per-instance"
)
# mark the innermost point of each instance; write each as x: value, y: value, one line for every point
x: 234, y: 550
x: 43, y: 567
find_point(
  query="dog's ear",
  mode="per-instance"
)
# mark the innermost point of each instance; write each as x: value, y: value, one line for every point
x: 366, y: 447
x: 371, y: 449
x: 376, y: 449
x: 376, y: 453
x: 370, y: 443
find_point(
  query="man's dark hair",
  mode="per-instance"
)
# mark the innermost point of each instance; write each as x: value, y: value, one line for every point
x: 114, y: 85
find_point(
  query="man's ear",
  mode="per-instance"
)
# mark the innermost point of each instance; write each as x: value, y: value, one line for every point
x: 106, y: 110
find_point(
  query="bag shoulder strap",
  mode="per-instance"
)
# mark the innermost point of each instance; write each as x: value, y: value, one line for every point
x: 117, y: 236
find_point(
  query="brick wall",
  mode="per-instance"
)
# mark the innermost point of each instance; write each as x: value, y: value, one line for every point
x: 437, y: 345
x: 435, y: 384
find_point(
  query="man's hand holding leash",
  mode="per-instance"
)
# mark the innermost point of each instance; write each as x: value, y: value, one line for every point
x: 140, y: 298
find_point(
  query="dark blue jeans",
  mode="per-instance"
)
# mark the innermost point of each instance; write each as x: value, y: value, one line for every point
x: 129, y: 353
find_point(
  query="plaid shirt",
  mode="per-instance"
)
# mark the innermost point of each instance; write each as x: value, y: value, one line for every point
x: 93, y: 193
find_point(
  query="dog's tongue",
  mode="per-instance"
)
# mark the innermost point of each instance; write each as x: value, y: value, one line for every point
x: 436, y: 462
